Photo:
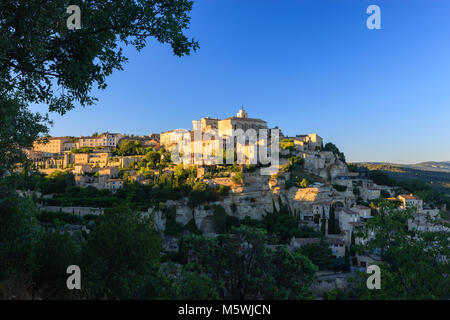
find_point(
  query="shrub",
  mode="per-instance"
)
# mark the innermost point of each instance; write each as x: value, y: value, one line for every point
x: 304, y: 183
x: 237, y: 178
x: 339, y: 188
x: 223, y: 190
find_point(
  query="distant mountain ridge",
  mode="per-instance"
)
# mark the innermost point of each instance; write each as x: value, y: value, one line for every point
x: 434, y: 173
x: 442, y: 166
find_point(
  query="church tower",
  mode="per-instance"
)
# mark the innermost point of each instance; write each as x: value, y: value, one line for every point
x: 242, y: 113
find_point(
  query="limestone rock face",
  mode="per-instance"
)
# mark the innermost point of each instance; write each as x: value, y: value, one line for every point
x: 324, y: 164
x: 260, y: 193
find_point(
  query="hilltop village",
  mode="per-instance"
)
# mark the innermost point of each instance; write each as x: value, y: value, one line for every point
x: 330, y: 200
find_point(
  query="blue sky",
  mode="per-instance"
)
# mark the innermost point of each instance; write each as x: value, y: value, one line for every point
x: 305, y: 66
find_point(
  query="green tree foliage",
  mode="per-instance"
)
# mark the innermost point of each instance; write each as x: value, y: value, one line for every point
x: 323, y: 222
x: 381, y: 178
x: 223, y: 190
x: 48, y: 63
x: 201, y: 194
x: 54, y: 253
x: 42, y: 61
x: 19, y: 127
x: 296, y: 163
x: 173, y: 228
x: 19, y: 235
x: 57, y: 182
x: 130, y: 148
x: 121, y: 257
x: 414, y: 265
x: 320, y: 254
x: 333, y: 227
x: 280, y: 223
x: 237, y: 178
x: 339, y: 188
x: 223, y: 222
x: 242, y: 266
x: 304, y: 183
x: 83, y: 150
x: 195, y: 286
x: 287, y: 144
x: 332, y: 147
x: 384, y: 193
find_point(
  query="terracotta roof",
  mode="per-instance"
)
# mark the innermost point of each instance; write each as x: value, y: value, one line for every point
x: 408, y: 197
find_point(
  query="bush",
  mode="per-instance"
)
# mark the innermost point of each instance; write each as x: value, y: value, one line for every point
x: 173, y: 228
x: 237, y: 178
x: 83, y: 150
x: 339, y: 188
x: 220, y: 220
x: 304, y: 183
x: 223, y: 190
x: 385, y: 194
x: 287, y: 144
x: 51, y: 217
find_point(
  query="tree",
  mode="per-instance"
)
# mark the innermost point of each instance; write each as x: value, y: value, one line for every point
x: 19, y: 235
x: 153, y: 158
x: 323, y: 222
x: 281, y: 223
x: 130, y: 148
x: 194, y: 286
x: 319, y: 253
x: 220, y: 220
x: 54, y: 253
x: 291, y: 275
x: 304, y: 183
x: 244, y: 268
x: 287, y: 144
x: 414, y: 262
x: 381, y: 178
x: 121, y: 257
x: 19, y: 129
x: 42, y: 61
x: 237, y: 178
x: 332, y: 147
x: 38, y: 51
x: 333, y: 228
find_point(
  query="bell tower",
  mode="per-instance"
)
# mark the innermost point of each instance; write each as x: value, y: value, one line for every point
x: 242, y: 113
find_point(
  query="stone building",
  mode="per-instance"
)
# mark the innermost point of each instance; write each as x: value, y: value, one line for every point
x: 104, y: 140
x: 411, y: 201
x: 228, y: 126
x: 55, y: 145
